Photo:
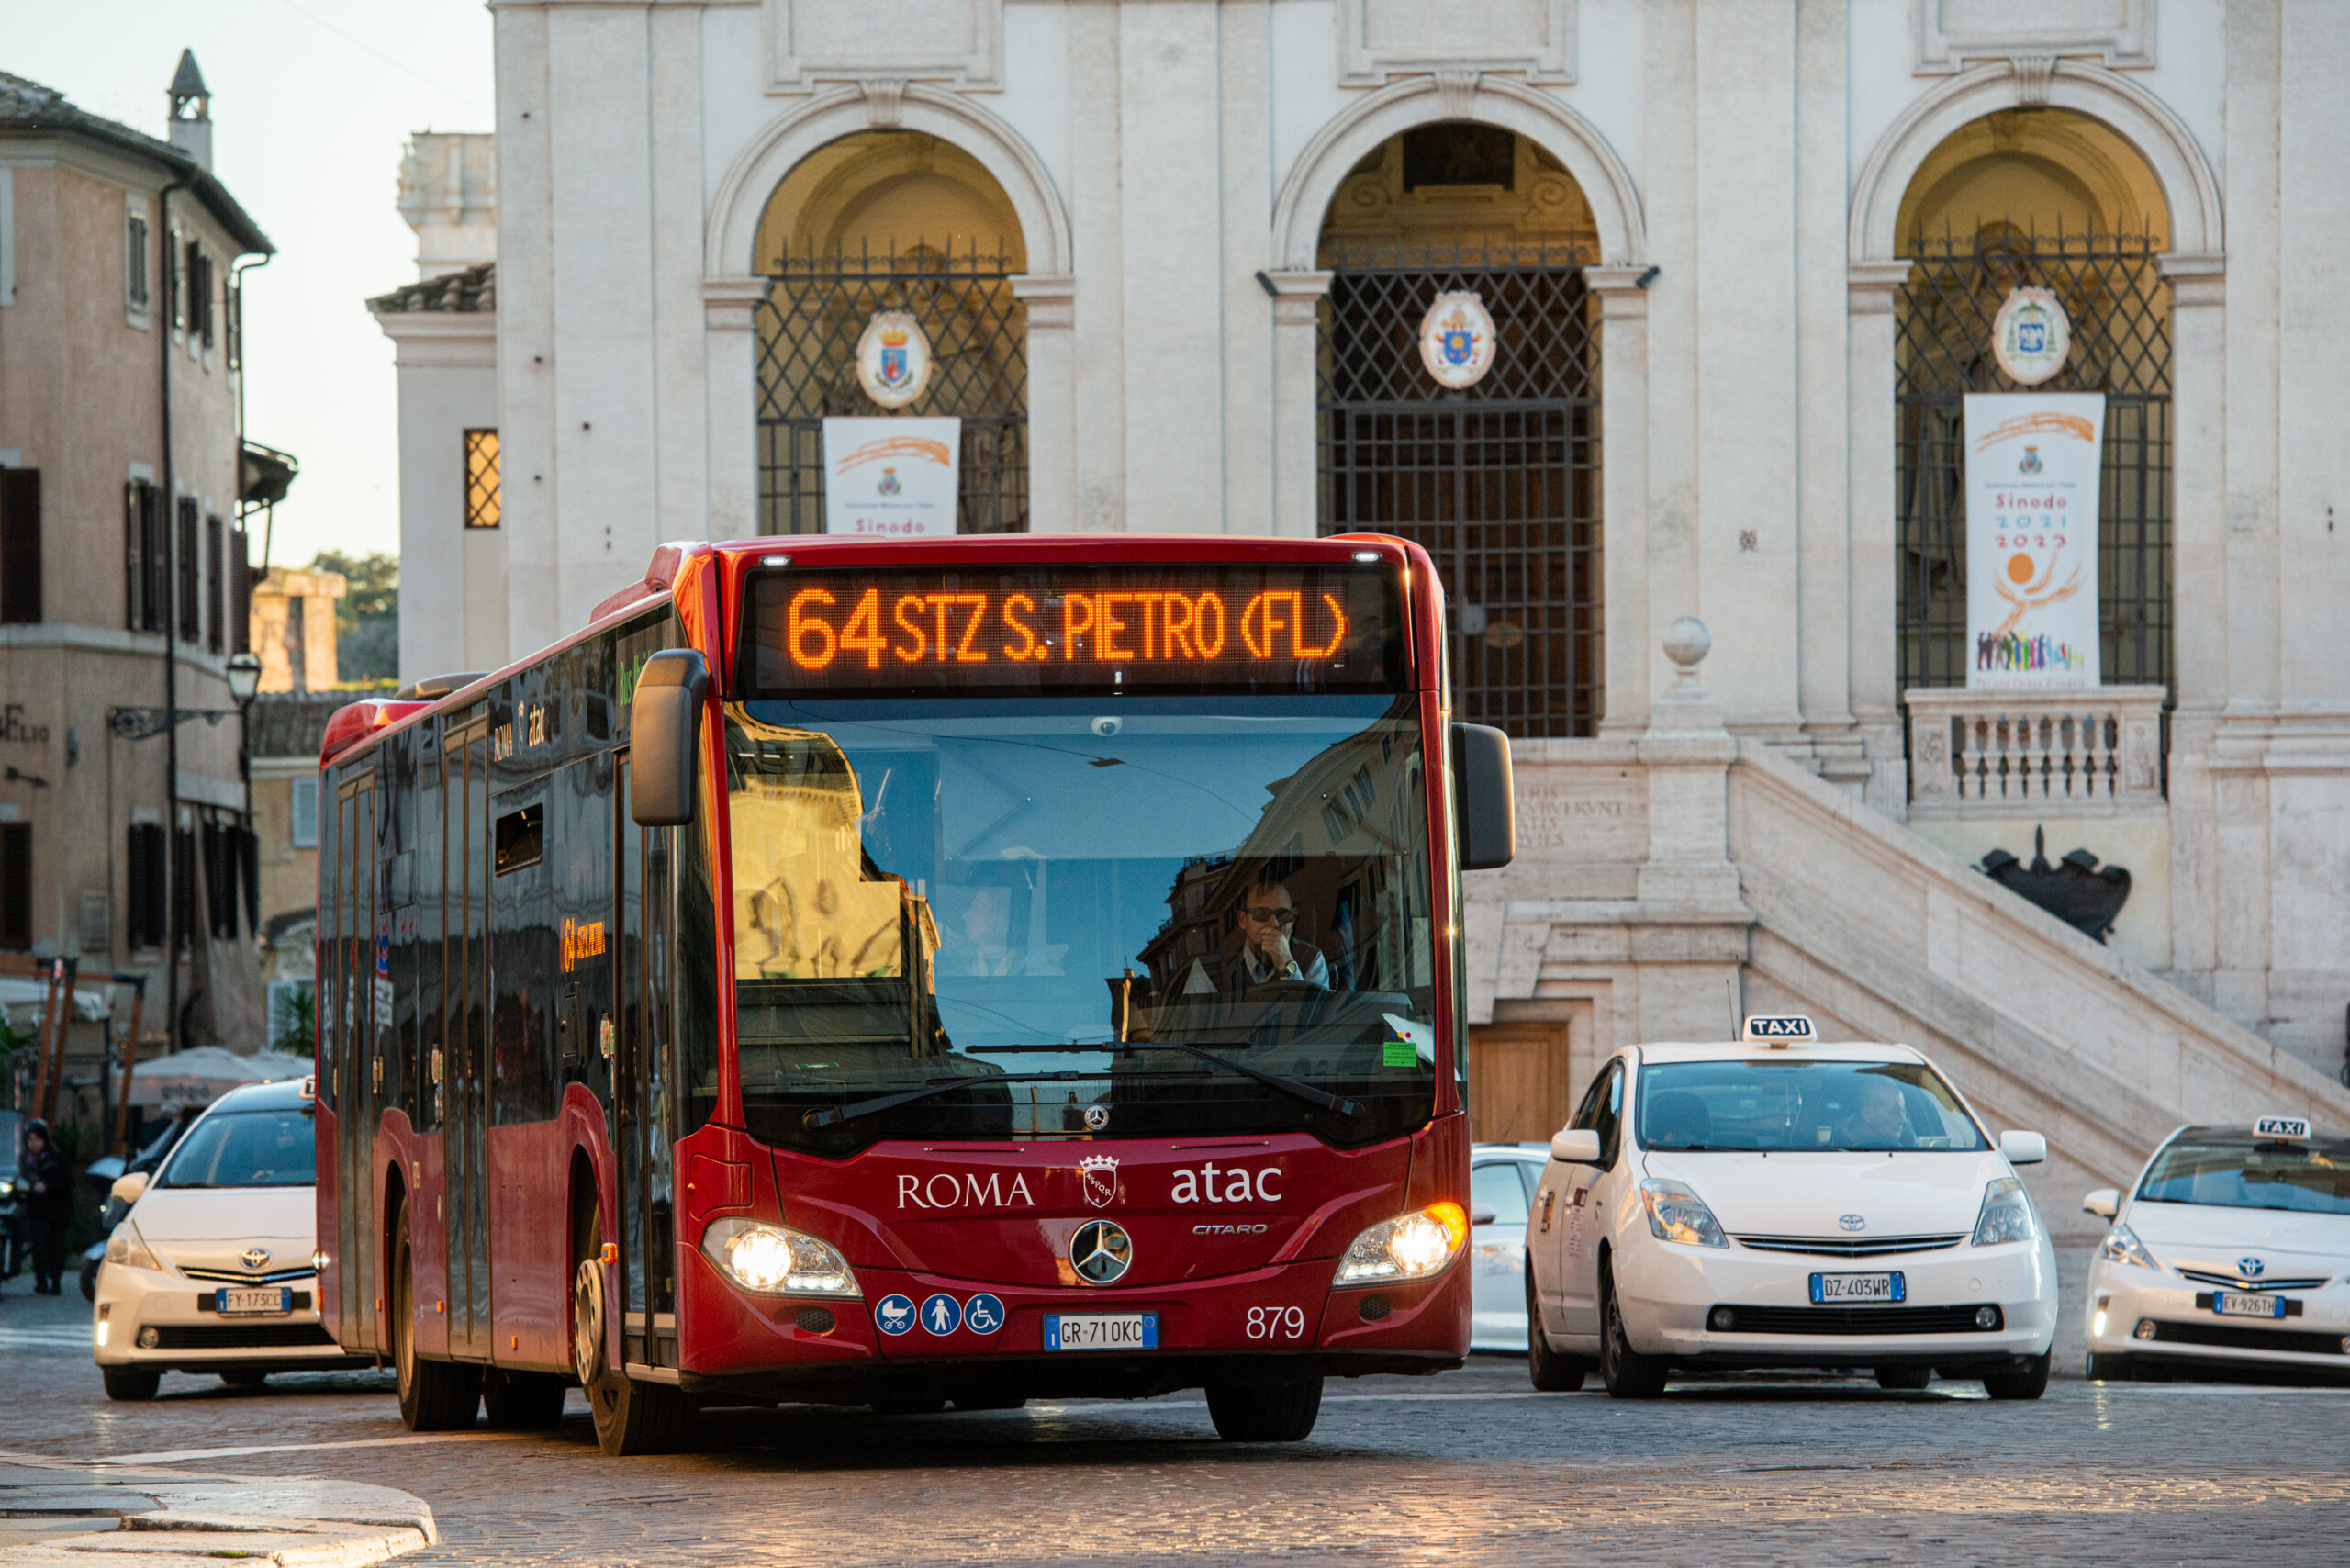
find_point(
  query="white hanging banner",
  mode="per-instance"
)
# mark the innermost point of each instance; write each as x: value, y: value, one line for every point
x: 2033, y: 461
x: 892, y: 478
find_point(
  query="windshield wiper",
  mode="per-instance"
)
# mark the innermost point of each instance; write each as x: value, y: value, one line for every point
x: 828, y: 1115
x: 1289, y: 1086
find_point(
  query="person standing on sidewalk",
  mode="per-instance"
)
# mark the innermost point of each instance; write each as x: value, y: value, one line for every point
x: 49, y: 1188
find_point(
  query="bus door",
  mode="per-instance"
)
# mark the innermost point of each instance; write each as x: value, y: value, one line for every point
x: 364, y: 947
x: 640, y: 1127
x: 465, y: 919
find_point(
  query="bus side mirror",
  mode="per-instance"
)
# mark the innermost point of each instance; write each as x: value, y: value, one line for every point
x: 1484, y: 806
x: 665, y: 738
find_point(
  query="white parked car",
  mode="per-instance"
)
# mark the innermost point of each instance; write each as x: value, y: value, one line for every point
x: 2230, y: 1253
x: 1500, y: 1192
x: 212, y: 1269
x: 1777, y: 1202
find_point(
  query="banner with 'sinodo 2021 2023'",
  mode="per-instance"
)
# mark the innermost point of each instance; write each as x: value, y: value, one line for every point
x: 892, y: 478
x: 2033, y: 463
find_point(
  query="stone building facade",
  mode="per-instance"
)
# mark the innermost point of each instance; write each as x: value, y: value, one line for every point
x: 122, y: 559
x: 1744, y: 260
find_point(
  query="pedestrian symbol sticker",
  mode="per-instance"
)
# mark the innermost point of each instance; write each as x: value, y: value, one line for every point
x: 942, y: 1314
x: 984, y: 1314
x: 893, y: 1314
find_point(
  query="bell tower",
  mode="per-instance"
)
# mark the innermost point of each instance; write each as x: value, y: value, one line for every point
x: 191, y: 110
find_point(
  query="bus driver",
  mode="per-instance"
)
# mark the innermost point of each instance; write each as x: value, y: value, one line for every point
x: 1268, y: 915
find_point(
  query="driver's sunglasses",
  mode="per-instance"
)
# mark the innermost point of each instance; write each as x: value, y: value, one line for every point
x: 1286, y: 916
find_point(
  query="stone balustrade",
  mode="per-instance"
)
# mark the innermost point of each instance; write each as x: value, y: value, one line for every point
x: 1976, y: 751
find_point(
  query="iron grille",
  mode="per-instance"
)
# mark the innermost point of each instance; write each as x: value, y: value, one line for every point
x: 816, y: 307
x: 1500, y: 484
x: 2119, y: 308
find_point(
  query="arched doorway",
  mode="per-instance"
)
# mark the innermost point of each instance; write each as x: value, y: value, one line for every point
x: 890, y: 221
x: 1500, y: 482
x: 2051, y: 198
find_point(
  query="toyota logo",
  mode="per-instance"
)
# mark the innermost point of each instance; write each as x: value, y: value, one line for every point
x: 1850, y: 1221
x: 255, y: 1258
x: 1101, y: 1252
x: 2251, y: 1267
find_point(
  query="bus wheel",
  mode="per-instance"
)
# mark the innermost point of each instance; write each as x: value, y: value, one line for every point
x: 435, y: 1396
x: 1551, y: 1372
x: 630, y: 1417
x: 1265, y: 1412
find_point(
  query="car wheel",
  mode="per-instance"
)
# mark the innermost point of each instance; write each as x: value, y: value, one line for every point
x: 990, y: 1401
x: 908, y: 1402
x: 2029, y: 1383
x: 630, y: 1417
x: 1628, y: 1374
x: 1281, y: 1412
x: 2108, y: 1368
x: 244, y: 1377
x: 435, y: 1396
x: 1551, y: 1372
x: 1908, y: 1379
x: 132, y: 1382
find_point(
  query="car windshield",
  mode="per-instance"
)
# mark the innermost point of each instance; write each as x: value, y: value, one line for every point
x: 1812, y: 1105
x: 2238, y: 1173
x: 246, y: 1148
x: 1021, y: 908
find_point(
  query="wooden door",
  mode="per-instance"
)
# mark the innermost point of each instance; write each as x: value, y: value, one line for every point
x: 1518, y: 1080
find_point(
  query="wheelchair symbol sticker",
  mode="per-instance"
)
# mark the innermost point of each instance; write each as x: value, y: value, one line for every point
x: 942, y: 1314
x: 893, y: 1314
x: 983, y: 1314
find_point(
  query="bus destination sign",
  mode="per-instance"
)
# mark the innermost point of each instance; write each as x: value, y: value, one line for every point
x: 1143, y: 626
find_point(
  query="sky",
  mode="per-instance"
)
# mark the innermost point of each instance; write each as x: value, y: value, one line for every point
x: 312, y: 101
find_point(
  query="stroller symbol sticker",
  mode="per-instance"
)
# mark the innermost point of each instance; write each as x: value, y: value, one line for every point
x: 893, y: 1314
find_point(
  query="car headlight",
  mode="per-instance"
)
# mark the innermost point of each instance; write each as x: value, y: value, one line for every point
x: 128, y: 1248
x: 7, y: 1188
x: 2123, y: 1246
x: 775, y: 1260
x: 1415, y: 1246
x: 2007, y: 1215
x: 1676, y: 1213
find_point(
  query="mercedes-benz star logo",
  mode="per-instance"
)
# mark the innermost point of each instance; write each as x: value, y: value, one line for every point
x: 1850, y: 1221
x: 2251, y: 1267
x: 1101, y: 1252
x: 255, y: 1258
x: 1097, y: 1117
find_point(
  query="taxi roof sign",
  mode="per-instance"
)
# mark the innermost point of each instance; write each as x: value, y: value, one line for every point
x: 2281, y: 1127
x: 1779, y: 1030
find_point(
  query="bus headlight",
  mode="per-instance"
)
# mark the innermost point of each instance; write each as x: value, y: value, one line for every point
x: 775, y: 1260
x: 128, y: 1248
x: 1409, y: 1247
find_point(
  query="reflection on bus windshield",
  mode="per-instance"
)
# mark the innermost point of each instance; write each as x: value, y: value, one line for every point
x: 932, y: 893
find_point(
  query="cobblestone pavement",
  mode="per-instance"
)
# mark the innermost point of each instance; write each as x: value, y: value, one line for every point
x: 1467, y: 1467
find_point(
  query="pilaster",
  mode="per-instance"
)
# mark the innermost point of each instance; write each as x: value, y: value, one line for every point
x: 730, y: 318
x: 1870, y: 293
x: 1297, y: 316
x: 1051, y: 303
x: 1624, y: 490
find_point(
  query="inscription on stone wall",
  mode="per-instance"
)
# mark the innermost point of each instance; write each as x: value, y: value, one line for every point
x: 1582, y: 819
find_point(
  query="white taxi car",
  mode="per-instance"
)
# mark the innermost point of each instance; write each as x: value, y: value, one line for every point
x: 2231, y: 1254
x: 212, y: 1270
x: 1501, y: 1177
x: 1778, y: 1203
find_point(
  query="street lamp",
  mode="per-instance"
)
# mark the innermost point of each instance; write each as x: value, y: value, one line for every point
x: 244, y: 677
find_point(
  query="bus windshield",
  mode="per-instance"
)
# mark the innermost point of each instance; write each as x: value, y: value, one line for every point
x: 1063, y: 917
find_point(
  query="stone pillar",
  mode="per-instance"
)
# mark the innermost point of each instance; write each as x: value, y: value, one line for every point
x: 1297, y: 317
x: 1870, y: 290
x: 1052, y: 400
x: 2198, y: 405
x: 1624, y: 491
x: 1687, y: 754
x: 730, y: 316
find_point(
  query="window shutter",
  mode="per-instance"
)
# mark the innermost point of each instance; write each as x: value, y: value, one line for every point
x: 16, y: 886
x: 19, y: 544
x: 191, y: 565
x: 134, y: 558
x: 303, y: 812
x: 215, y: 583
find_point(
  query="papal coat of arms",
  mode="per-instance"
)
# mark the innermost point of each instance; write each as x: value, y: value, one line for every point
x: 893, y: 359
x: 1456, y: 340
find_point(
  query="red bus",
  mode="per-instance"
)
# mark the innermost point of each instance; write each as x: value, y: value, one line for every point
x: 901, y: 972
